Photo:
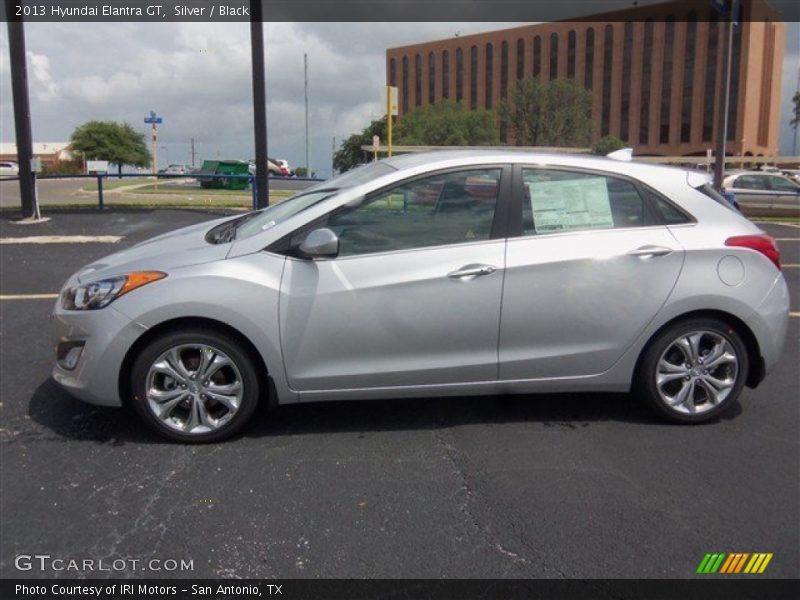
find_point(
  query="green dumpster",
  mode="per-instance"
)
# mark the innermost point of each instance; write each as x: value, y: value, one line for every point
x: 225, y: 167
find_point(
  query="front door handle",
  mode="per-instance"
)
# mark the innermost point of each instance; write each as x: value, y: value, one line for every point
x: 650, y: 250
x: 469, y: 272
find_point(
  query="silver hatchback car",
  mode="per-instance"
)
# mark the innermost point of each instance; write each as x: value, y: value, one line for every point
x: 446, y: 273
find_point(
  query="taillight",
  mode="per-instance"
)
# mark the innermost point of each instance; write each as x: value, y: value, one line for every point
x: 760, y: 243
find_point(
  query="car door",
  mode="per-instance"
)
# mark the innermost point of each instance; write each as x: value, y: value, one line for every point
x: 413, y: 297
x: 785, y: 193
x: 590, y: 268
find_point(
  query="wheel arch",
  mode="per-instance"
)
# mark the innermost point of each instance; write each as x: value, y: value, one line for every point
x: 755, y: 369
x: 182, y: 323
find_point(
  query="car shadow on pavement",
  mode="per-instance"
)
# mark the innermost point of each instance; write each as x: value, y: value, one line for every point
x: 67, y: 417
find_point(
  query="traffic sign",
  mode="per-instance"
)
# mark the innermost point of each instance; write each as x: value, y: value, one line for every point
x: 153, y: 118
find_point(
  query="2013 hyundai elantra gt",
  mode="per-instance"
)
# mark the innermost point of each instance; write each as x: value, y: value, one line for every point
x: 448, y: 273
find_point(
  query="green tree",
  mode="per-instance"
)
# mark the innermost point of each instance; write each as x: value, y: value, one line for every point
x: 552, y: 113
x: 796, y: 112
x: 607, y: 144
x: 446, y: 123
x: 350, y: 153
x: 117, y: 143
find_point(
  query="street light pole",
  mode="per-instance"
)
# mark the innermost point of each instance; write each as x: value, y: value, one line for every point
x: 305, y: 72
x: 259, y: 103
x: 22, y: 112
x: 722, y: 127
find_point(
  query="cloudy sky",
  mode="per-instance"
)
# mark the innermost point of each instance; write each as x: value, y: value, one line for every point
x: 197, y: 76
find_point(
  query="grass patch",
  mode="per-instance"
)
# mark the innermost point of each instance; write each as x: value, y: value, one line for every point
x: 110, y: 183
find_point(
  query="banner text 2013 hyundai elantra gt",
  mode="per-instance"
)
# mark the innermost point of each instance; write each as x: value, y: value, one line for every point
x: 448, y: 273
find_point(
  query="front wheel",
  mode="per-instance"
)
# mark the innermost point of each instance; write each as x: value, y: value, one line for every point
x: 195, y: 386
x: 694, y: 370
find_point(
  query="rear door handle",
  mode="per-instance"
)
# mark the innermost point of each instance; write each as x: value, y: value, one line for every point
x: 650, y: 250
x: 468, y: 272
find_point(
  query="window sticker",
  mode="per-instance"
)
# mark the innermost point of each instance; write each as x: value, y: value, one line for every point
x: 571, y: 204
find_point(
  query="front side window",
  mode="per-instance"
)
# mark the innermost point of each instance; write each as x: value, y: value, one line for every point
x: 751, y: 182
x: 442, y: 209
x: 555, y: 200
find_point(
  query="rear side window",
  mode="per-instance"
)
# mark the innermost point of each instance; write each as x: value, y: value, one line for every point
x: 779, y: 184
x: 669, y: 213
x: 715, y: 196
x: 556, y: 200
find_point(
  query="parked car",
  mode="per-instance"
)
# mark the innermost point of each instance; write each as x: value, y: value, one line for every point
x: 177, y: 170
x: 282, y: 171
x: 273, y: 169
x: 9, y: 168
x: 451, y: 273
x: 758, y: 190
x: 793, y: 174
x: 286, y: 169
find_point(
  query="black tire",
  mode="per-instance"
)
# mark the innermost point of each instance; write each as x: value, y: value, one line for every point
x: 646, y: 386
x: 244, y: 364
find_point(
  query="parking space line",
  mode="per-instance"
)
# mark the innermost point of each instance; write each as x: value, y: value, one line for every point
x: 28, y: 296
x: 63, y: 239
x: 781, y: 223
x: 794, y: 314
x: 792, y: 266
x: 797, y: 239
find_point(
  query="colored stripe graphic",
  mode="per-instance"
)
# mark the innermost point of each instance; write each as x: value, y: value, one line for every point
x: 727, y: 563
x: 735, y: 562
x: 765, y: 563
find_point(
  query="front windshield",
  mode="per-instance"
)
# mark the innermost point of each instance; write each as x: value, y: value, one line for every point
x: 269, y: 217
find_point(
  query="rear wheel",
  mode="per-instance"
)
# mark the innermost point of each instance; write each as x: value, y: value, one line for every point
x: 694, y: 370
x: 195, y: 386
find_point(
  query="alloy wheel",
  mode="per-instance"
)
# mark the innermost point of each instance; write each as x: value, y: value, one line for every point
x: 194, y: 388
x: 697, y: 372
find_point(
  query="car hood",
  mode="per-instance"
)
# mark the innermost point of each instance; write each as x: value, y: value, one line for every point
x: 180, y: 248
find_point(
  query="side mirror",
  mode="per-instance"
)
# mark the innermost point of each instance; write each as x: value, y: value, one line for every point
x: 320, y: 243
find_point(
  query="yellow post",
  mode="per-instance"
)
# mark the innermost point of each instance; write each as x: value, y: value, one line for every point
x: 389, y: 118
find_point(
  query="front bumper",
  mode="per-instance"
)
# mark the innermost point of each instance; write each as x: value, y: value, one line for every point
x: 107, y: 335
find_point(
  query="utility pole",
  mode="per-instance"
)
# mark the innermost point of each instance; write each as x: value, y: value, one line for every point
x: 722, y: 124
x: 796, y: 125
x: 333, y: 157
x: 193, y: 153
x: 305, y: 72
x: 22, y: 112
x: 259, y: 103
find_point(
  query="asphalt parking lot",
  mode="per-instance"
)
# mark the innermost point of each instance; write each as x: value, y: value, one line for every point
x: 559, y: 486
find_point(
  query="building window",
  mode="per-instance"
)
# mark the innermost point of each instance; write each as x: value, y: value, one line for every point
x: 666, y: 79
x: 647, y: 73
x: 711, y: 77
x: 520, y: 59
x: 404, y: 98
x: 688, y: 78
x: 418, y: 80
x: 392, y: 72
x: 459, y: 75
x: 625, y: 105
x: 504, y: 70
x: 608, y: 54
x: 589, y: 73
x: 553, y: 55
x: 473, y: 78
x: 489, y: 75
x: 445, y: 74
x: 571, y: 41
x: 431, y: 78
x: 537, y: 56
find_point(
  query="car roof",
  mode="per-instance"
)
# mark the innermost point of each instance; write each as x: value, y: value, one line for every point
x: 433, y: 158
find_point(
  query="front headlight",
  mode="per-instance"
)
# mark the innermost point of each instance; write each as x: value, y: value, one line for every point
x: 98, y: 294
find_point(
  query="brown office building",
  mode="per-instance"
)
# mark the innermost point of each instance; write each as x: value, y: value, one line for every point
x: 655, y: 73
